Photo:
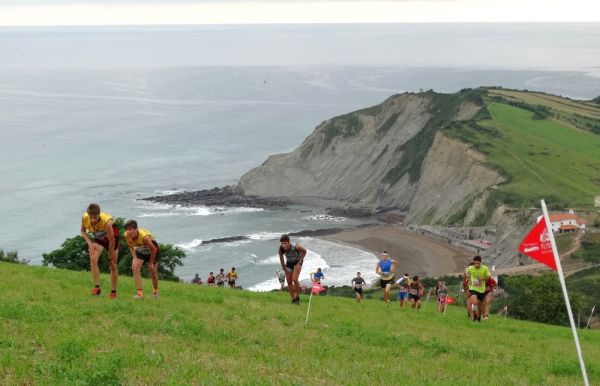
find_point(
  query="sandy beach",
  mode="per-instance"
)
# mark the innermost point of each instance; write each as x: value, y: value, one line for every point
x: 415, y: 254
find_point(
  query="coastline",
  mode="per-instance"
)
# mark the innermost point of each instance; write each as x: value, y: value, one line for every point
x: 416, y: 254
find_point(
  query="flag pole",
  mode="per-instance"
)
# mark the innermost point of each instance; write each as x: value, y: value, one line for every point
x: 308, y: 310
x: 590, y: 319
x: 566, y: 295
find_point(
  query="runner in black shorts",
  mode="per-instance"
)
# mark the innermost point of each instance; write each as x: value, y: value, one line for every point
x: 385, y: 269
x: 415, y: 292
x: 294, y: 257
x: 357, y: 285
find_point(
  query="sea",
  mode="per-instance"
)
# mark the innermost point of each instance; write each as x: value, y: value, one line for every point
x: 115, y: 114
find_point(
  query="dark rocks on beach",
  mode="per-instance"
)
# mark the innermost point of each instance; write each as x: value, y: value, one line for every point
x: 350, y: 212
x: 228, y: 196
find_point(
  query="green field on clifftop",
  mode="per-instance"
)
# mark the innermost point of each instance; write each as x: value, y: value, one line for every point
x: 55, y: 333
x: 556, y: 157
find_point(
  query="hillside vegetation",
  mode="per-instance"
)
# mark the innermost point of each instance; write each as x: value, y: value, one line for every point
x: 547, y: 147
x: 54, y: 333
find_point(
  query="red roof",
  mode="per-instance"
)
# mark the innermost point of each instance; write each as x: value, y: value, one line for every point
x: 562, y: 217
x: 567, y: 227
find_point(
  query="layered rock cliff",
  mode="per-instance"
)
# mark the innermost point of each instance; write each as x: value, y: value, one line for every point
x: 390, y: 156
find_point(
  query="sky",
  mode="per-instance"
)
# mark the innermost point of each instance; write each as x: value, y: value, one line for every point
x: 157, y: 12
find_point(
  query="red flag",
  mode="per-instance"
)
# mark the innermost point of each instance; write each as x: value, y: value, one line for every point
x: 537, y: 245
x: 316, y: 288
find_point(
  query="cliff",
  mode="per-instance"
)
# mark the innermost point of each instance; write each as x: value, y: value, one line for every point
x: 390, y: 156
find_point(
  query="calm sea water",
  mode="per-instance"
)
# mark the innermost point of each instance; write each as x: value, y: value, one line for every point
x: 110, y: 115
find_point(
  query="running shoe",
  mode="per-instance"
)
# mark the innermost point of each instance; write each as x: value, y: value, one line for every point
x: 485, y: 318
x: 155, y: 295
x: 112, y: 295
x: 96, y: 291
x: 138, y: 297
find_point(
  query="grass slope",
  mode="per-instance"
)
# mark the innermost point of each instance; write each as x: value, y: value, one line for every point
x: 54, y: 333
x: 542, y: 158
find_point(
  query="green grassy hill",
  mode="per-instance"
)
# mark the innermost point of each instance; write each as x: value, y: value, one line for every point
x: 547, y: 147
x: 55, y: 333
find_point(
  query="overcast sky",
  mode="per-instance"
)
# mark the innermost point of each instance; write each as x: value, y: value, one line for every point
x: 126, y: 12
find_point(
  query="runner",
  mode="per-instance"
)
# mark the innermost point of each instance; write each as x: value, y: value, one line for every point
x: 441, y: 294
x: 197, y: 279
x: 99, y: 232
x: 385, y: 269
x: 357, y: 285
x: 221, y: 278
x: 144, y: 249
x: 294, y: 257
x: 281, y: 277
x: 402, y: 285
x: 317, y: 276
x: 232, y: 277
x: 210, y: 280
x: 415, y: 292
x: 490, y: 288
x: 477, y: 276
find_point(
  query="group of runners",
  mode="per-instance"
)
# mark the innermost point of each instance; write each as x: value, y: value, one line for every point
x: 478, y: 282
x: 100, y: 233
x: 408, y: 290
x: 219, y: 279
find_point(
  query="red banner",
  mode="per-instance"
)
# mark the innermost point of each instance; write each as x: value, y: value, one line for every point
x: 316, y: 288
x: 537, y: 245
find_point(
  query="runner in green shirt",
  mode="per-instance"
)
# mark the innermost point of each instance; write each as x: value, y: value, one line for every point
x: 477, y: 275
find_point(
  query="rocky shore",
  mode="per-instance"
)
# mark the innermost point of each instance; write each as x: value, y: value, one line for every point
x: 228, y: 196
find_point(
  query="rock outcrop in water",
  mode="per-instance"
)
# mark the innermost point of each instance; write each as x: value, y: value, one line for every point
x: 228, y: 196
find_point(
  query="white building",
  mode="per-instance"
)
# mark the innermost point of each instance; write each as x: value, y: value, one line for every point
x: 566, y: 222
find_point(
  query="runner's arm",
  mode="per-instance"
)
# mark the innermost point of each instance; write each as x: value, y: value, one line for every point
x: 281, y: 260
x: 302, y: 251
x: 111, y: 237
x: 153, y: 250
x: 84, y: 234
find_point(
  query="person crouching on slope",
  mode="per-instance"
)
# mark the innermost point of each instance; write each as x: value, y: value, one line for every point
x: 99, y: 232
x: 144, y: 249
x: 385, y: 269
x: 294, y: 257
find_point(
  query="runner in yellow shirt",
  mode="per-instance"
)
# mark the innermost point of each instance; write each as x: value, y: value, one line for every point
x: 232, y: 277
x: 477, y: 275
x: 144, y: 249
x: 100, y: 233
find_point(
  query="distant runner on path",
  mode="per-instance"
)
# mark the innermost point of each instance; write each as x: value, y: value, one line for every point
x: 385, y: 269
x: 441, y: 295
x: 490, y: 288
x: 357, y: 285
x: 415, y: 292
x: 144, y: 250
x: 477, y: 275
x: 402, y: 285
x: 99, y: 232
x: 232, y: 277
x: 294, y: 257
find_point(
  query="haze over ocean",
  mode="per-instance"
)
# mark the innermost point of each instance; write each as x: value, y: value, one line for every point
x: 112, y: 114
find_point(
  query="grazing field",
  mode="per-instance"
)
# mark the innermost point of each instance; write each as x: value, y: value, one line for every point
x: 541, y: 158
x: 55, y: 333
